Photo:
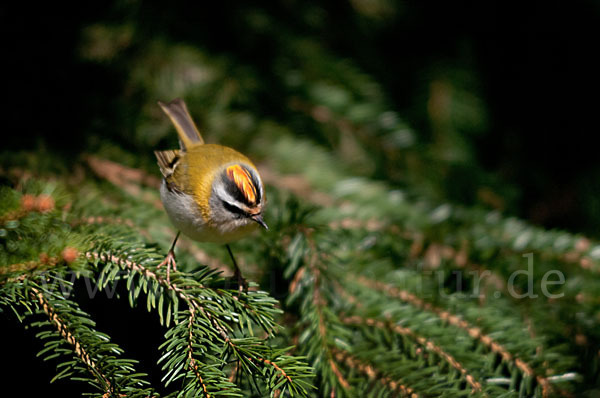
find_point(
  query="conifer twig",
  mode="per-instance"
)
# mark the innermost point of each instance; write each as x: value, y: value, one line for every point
x: 191, y: 359
x: 193, y: 306
x: 68, y: 255
x: 373, y: 374
x: 427, y: 343
x: 318, y: 302
x: 29, y: 203
x: 69, y: 337
x: 456, y: 321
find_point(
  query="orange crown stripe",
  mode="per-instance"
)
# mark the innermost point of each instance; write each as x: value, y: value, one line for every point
x: 243, y: 180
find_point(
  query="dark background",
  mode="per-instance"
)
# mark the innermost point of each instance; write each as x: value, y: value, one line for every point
x: 532, y: 66
x: 535, y: 63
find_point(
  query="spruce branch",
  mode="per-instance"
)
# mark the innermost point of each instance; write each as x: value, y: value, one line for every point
x: 113, y: 376
x: 455, y: 320
x: 127, y: 179
x: 207, y: 325
x: 251, y: 352
x: 313, y: 308
x: 422, y: 341
x: 70, y: 338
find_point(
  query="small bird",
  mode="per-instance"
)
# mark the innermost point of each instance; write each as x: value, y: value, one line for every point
x: 212, y: 193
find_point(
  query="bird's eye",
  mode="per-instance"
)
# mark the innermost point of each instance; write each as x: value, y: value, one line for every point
x: 234, y: 209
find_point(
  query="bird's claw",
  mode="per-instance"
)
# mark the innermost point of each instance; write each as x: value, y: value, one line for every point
x: 169, y: 262
x: 242, y: 283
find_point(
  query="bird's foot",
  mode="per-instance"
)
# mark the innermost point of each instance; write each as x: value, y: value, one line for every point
x: 241, y: 281
x: 169, y: 262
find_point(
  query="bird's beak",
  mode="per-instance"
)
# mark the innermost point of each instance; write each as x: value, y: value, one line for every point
x: 258, y: 218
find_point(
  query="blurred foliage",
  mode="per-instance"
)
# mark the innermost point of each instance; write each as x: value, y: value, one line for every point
x: 471, y: 103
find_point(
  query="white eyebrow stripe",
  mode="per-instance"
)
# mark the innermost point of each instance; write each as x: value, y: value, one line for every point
x: 256, y: 177
x: 224, y: 195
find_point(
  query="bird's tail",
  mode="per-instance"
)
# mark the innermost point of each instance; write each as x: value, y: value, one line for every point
x: 186, y: 128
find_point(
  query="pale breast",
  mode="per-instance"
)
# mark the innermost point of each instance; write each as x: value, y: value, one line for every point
x: 186, y: 217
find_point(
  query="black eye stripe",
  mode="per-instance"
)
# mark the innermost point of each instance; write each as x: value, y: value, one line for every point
x: 234, y: 209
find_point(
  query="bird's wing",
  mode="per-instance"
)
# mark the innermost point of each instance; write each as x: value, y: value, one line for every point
x: 168, y: 162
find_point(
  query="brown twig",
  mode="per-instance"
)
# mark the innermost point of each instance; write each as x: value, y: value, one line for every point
x: 27, y: 266
x: 274, y: 365
x: 296, y: 280
x: 120, y: 174
x: 234, y: 371
x: 67, y: 255
x: 373, y: 374
x: 191, y: 360
x: 126, y: 178
x: 318, y: 302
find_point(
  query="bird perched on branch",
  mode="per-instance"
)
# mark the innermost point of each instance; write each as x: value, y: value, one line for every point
x: 212, y: 193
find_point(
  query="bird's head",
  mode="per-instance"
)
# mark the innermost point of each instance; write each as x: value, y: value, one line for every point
x: 237, y: 198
